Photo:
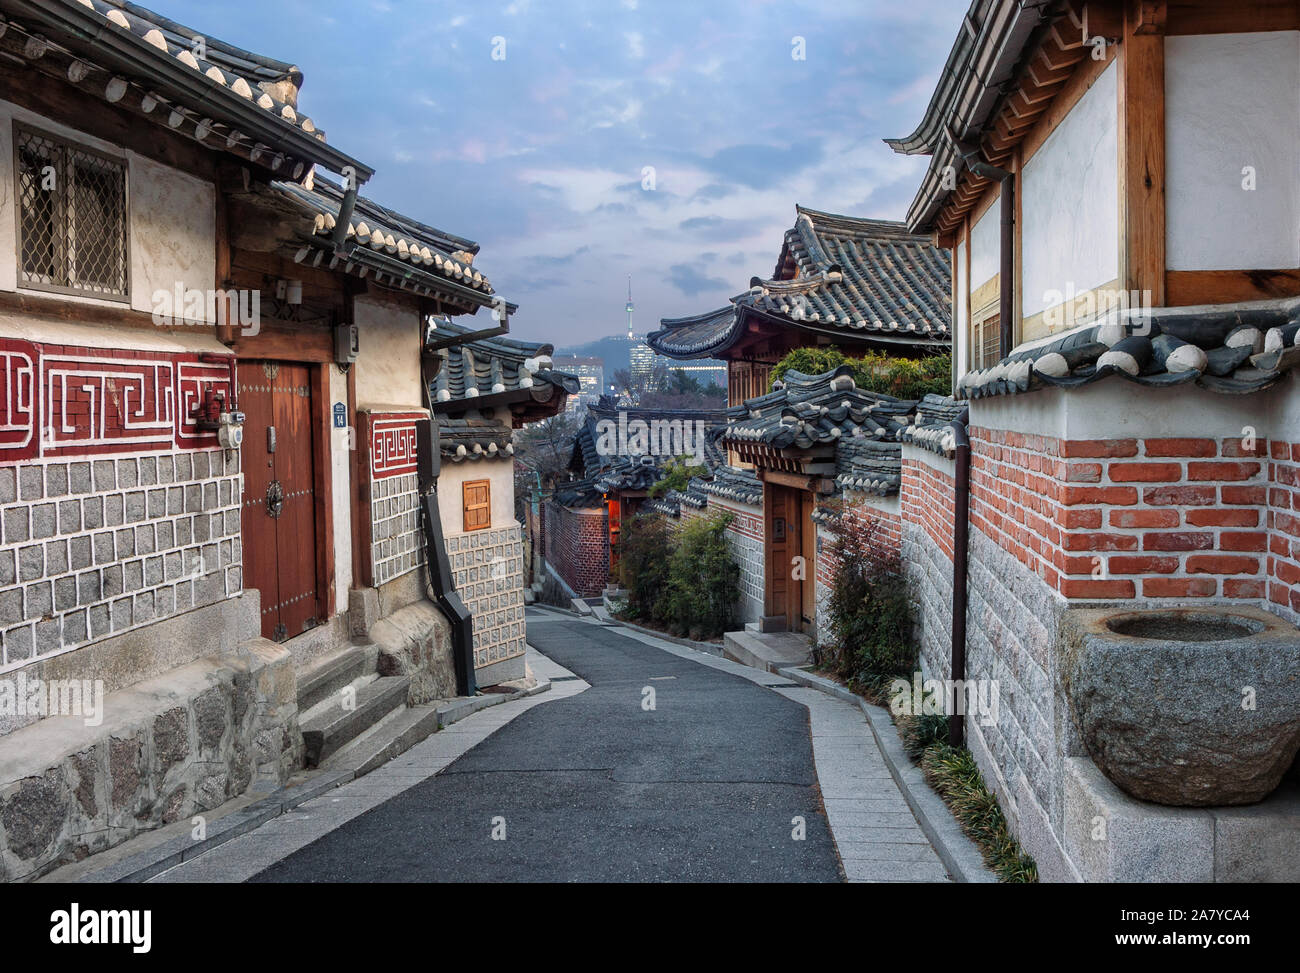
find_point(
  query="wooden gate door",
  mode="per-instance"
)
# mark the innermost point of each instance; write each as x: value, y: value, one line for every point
x: 279, y: 524
x: 781, y: 516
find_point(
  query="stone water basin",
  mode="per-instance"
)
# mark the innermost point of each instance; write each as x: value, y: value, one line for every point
x: 1192, y: 707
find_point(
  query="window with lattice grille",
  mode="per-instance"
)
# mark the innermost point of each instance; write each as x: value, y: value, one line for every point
x: 72, y: 222
x: 477, y: 495
x: 986, y: 342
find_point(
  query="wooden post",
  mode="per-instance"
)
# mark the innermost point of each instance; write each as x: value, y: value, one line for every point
x: 1142, y: 150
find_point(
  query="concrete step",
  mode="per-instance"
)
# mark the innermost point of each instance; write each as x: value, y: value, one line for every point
x: 334, y: 672
x: 326, y: 731
x: 770, y: 652
x: 580, y: 606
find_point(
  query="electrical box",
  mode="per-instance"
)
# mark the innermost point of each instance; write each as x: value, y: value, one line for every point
x: 230, y: 430
x: 347, y: 343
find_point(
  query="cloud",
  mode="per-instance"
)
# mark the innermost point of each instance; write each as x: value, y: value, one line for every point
x: 688, y: 279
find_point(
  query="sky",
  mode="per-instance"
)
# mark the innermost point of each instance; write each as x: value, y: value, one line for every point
x: 666, y: 140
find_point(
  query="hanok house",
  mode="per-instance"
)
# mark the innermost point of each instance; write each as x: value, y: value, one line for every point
x: 858, y: 284
x: 618, y: 455
x: 214, y: 369
x: 1117, y: 547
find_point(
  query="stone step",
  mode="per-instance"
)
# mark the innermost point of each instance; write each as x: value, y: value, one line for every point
x: 581, y: 606
x: 769, y: 652
x: 393, y: 735
x: 328, y: 730
x: 333, y: 673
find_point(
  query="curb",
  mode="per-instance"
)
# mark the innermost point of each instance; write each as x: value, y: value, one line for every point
x: 144, y: 865
x: 958, y: 853
x: 706, y: 647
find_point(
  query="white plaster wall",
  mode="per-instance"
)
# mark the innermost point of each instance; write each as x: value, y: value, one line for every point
x: 342, y: 442
x: 962, y: 361
x: 501, y: 473
x: 1070, y: 202
x: 1115, y: 409
x: 985, y: 247
x: 173, y: 231
x: 173, y: 217
x: 388, y: 367
x: 1232, y: 100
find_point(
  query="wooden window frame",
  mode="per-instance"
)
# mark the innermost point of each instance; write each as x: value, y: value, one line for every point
x: 20, y: 129
x: 467, y: 507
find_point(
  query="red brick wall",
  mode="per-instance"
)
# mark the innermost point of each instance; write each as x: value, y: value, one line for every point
x: 577, y: 547
x: 1127, y: 518
x: 1283, y: 564
x: 926, y: 498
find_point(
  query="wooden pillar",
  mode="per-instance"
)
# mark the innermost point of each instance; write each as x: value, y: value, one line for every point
x: 1142, y: 149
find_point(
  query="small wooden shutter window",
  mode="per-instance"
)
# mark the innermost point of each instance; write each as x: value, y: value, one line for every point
x: 478, y: 504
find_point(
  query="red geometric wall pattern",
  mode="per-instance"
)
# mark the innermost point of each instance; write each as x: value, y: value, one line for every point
x: 393, y: 443
x: 58, y: 400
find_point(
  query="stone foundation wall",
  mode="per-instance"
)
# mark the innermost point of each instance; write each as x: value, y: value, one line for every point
x: 167, y: 749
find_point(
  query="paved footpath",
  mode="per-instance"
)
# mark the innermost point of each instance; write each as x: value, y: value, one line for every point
x: 645, y: 762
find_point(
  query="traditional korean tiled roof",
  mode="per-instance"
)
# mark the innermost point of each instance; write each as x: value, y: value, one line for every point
x: 579, y: 493
x: 1230, y: 348
x: 198, y: 85
x: 698, y: 336
x: 587, y: 457
x: 931, y: 430
x: 385, y: 231
x: 486, y: 371
x: 849, y: 277
x: 735, y: 483
x: 629, y: 474
x: 474, y: 439
x: 809, y: 410
x: 869, y: 466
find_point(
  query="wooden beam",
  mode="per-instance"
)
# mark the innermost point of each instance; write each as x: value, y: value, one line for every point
x: 1244, y: 16
x: 1186, y: 287
x: 323, y: 488
x: 1142, y: 158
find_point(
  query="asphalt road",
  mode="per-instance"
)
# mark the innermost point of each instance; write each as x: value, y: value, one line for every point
x: 596, y: 787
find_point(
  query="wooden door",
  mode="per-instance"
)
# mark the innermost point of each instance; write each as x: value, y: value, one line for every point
x: 781, y: 516
x: 808, y: 547
x: 279, y: 519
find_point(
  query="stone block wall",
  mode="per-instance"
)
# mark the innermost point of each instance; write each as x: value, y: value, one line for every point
x: 396, y: 547
x: 745, y: 536
x: 488, y: 566
x: 577, y: 547
x: 926, y: 497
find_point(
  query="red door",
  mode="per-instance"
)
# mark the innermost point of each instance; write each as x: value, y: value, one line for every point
x: 279, y: 523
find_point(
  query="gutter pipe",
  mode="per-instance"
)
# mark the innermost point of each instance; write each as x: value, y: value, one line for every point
x: 960, y: 550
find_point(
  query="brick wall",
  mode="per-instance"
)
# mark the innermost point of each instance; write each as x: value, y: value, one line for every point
x: 882, y: 512
x: 1158, y: 519
x: 577, y: 547
x: 926, y: 510
x: 1283, y: 522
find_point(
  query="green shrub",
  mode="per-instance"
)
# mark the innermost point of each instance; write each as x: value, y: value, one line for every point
x: 703, y: 586
x: 682, y: 578
x: 644, y: 545
x: 904, y: 378
x: 954, y: 774
x: 677, y: 475
x: 868, y: 634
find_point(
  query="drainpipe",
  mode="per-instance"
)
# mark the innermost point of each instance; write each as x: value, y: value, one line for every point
x: 441, y: 579
x: 960, y: 548
x: 345, y: 216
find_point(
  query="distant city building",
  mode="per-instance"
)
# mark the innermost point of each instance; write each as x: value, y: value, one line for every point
x: 591, y: 375
x: 642, y: 359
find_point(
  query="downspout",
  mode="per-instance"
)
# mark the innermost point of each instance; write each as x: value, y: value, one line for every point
x: 441, y: 579
x: 960, y: 549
